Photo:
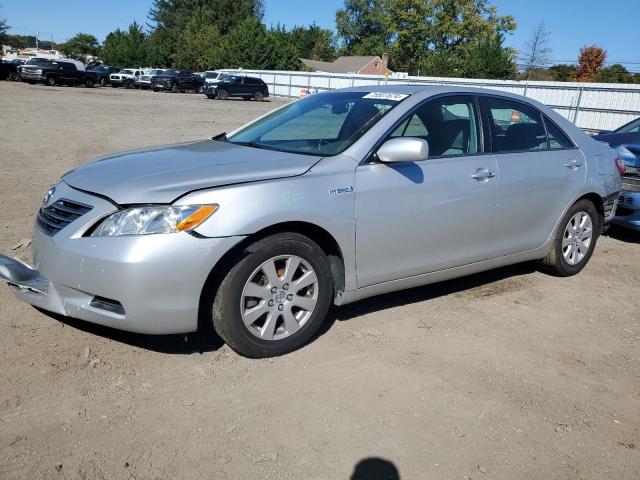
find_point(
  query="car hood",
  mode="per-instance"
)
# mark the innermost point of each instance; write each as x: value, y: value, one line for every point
x: 162, y: 174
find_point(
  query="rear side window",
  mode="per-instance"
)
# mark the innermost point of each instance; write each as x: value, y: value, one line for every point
x: 450, y: 126
x: 515, y: 126
x: 557, y: 138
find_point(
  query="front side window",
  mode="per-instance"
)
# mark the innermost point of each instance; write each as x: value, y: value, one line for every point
x: 321, y: 124
x: 515, y: 126
x: 450, y: 126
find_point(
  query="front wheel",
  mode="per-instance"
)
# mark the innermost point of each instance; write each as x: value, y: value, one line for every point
x: 223, y: 94
x: 174, y: 88
x: 275, y: 297
x: 574, y: 241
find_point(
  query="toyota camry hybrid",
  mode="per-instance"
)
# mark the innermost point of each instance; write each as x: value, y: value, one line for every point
x: 327, y: 200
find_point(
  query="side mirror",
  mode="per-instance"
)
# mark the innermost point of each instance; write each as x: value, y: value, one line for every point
x: 404, y: 149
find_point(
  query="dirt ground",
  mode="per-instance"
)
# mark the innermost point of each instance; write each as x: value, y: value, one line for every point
x: 506, y: 375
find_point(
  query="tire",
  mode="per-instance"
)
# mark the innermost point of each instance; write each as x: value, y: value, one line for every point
x: 103, y: 82
x: 258, y: 96
x: 223, y: 94
x: 156, y: 89
x: 174, y: 88
x: 292, y: 328
x: 210, y: 97
x: 51, y: 81
x: 13, y: 76
x: 88, y: 82
x: 570, y: 251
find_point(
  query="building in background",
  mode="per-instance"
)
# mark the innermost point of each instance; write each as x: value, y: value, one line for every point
x: 365, y: 65
x: 11, y: 53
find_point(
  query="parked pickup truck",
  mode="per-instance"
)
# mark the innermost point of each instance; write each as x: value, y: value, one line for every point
x: 9, y: 70
x: 144, y: 80
x: 57, y: 72
x: 176, y: 81
x: 125, y: 78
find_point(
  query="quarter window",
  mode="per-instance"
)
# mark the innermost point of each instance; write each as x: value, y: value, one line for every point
x: 450, y: 126
x: 515, y: 126
x: 557, y: 138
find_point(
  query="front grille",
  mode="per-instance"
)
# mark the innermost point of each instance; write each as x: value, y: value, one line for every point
x: 58, y: 215
x: 631, y: 183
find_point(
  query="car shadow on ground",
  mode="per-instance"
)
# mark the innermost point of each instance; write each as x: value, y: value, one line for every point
x: 424, y: 293
x: 206, y: 340
x: 203, y: 341
x: 623, y: 234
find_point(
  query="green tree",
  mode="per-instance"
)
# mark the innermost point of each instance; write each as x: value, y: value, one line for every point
x: 168, y: 19
x: 3, y: 30
x: 314, y: 42
x: 251, y: 45
x: 365, y: 27
x: 563, y: 72
x: 488, y: 58
x: 81, y: 46
x: 616, y: 73
x: 126, y: 48
x: 198, y: 45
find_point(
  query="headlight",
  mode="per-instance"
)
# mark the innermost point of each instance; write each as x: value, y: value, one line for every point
x: 151, y: 220
x: 38, y: 72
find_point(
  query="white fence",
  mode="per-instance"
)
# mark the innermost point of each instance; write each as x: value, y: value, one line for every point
x: 591, y: 106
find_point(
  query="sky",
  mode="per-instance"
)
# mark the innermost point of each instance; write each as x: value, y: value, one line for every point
x: 572, y: 23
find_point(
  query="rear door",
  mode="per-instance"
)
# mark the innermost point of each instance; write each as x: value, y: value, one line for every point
x: 421, y: 217
x: 541, y: 170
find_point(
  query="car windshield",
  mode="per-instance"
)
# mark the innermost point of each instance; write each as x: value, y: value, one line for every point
x: 170, y: 73
x: 633, y: 127
x: 126, y: 72
x: 38, y: 61
x: 211, y: 75
x: 322, y: 124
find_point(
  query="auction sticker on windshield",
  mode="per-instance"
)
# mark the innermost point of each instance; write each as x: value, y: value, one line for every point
x: 396, y: 97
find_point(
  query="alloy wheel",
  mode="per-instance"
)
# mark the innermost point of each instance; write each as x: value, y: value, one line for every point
x: 279, y: 297
x: 577, y: 238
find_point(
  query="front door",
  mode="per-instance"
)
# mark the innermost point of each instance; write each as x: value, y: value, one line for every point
x: 414, y: 218
x: 540, y: 172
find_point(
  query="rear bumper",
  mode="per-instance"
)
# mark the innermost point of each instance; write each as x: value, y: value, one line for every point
x: 156, y: 280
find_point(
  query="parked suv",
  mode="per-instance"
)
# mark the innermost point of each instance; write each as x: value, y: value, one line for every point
x: 144, y: 80
x: 125, y: 78
x: 57, y: 72
x: 102, y: 73
x: 176, y: 81
x: 333, y: 198
x: 234, y: 86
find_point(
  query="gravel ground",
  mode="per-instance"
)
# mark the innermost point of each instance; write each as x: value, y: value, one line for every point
x: 505, y: 375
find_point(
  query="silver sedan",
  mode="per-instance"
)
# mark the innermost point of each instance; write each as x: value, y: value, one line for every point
x: 330, y: 199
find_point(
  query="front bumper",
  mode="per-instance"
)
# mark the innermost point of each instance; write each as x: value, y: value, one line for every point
x: 156, y: 279
x: 32, y: 77
x: 160, y: 86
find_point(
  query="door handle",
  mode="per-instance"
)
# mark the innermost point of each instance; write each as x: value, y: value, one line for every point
x: 482, y: 175
x: 573, y: 164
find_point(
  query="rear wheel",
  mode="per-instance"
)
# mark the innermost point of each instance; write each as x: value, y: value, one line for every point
x: 88, y: 82
x: 259, y: 96
x: 574, y: 241
x: 174, y: 88
x: 13, y: 76
x: 103, y: 82
x: 275, y: 297
x: 223, y: 94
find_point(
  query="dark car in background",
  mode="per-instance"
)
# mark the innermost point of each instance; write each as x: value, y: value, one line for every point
x: 626, y: 140
x: 9, y: 70
x: 56, y: 72
x: 176, y: 81
x: 102, y: 73
x: 234, y: 86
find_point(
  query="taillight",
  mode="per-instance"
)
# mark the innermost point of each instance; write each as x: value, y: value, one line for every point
x: 620, y: 165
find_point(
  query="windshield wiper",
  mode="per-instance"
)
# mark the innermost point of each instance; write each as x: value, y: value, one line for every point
x: 257, y: 145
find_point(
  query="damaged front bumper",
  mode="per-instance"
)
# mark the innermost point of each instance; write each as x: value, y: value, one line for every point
x: 22, y: 277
